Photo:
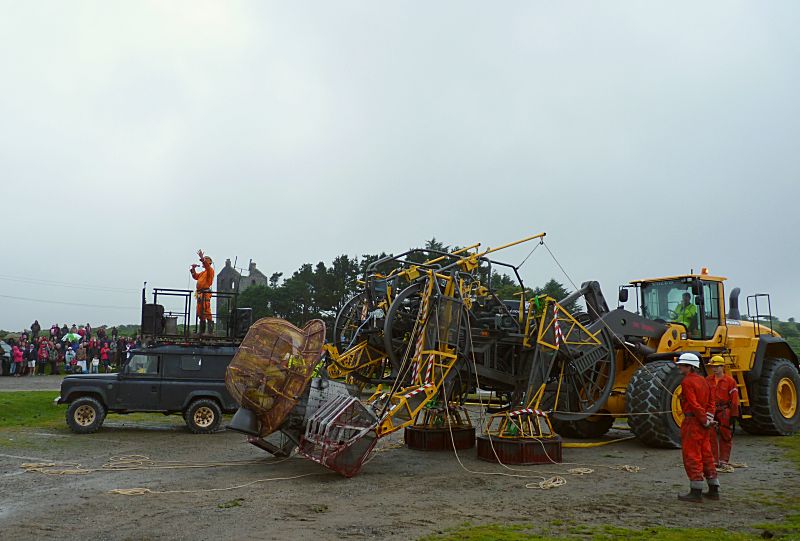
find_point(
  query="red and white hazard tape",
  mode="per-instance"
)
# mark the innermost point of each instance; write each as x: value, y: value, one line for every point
x: 417, y: 391
x: 556, y: 326
x: 531, y: 411
x: 429, y: 371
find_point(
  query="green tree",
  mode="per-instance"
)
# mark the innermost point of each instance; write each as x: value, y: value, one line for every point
x: 259, y: 299
x: 558, y: 291
x: 507, y: 287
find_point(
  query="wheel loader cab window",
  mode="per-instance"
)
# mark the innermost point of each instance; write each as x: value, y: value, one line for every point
x: 143, y: 365
x: 711, y: 308
x: 671, y: 301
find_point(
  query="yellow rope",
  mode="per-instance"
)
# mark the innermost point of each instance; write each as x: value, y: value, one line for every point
x: 140, y: 491
x: 142, y: 462
x: 730, y: 467
x: 584, y: 445
x: 547, y: 484
x: 130, y: 463
x: 49, y: 468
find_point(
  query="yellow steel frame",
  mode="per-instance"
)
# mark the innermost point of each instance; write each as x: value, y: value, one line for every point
x: 568, y: 324
x: 406, y: 403
x: 532, y: 425
x: 405, y: 406
x: 356, y: 358
x: 453, y: 415
x: 522, y: 425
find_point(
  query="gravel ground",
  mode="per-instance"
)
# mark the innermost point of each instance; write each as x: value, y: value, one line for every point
x: 401, y: 494
x: 31, y: 383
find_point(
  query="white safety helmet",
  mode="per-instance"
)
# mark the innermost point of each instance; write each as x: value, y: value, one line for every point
x: 689, y: 358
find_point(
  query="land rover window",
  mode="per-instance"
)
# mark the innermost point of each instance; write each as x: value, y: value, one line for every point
x: 191, y: 363
x: 143, y: 365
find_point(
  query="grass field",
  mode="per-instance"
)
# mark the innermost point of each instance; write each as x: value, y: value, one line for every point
x: 35, y: 409
x: 495, y: 532
x: 32, y: 409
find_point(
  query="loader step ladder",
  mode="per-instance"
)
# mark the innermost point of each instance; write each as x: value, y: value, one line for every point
x: 744, y: 398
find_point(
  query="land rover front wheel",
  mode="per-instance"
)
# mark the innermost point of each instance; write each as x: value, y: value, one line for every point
x: 203, y: 416
x: 85, y: 415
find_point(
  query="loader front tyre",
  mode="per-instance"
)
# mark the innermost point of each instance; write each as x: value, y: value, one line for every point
x: 773, y: 400
x: 593, y: 427
x: 654, y: 413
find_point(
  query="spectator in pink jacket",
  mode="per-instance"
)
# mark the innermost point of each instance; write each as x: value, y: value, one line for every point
x: 16, y: 356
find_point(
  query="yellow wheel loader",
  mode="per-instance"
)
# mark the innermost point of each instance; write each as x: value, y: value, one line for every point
x: 686, y: 313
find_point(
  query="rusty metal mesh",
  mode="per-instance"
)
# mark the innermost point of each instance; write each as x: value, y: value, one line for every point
x: 272, y: 368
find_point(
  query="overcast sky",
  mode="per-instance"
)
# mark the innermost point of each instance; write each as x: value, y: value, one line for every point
x: 645, y: 138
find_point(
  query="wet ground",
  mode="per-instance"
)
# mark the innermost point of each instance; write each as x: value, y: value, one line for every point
x: 401, y: 494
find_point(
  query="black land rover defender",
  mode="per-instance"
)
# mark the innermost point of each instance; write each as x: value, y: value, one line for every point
x: 186, y: 379
x: 180, y: 372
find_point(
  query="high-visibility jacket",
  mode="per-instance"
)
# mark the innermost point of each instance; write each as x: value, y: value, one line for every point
x: 686, y: 314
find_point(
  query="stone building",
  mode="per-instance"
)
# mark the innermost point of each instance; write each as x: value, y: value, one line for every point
x: 229, y: 279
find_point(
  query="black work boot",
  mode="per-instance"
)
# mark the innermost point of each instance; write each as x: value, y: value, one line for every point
x: 211, y: 328
x: 695, y: 494
x: 202, y: 330
x: 713, y: 490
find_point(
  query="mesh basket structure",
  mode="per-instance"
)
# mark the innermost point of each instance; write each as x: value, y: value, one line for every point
x: 272, y: 368
x: 340, y: 435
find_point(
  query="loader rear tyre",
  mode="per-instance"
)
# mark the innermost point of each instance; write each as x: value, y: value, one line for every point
x: 590, y: 428
x: 653, y: 409
x: 773, y: 400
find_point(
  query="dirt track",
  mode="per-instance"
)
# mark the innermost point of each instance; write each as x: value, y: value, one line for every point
x: 401, y: 494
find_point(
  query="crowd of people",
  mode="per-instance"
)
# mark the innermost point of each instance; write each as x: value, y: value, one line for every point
x: 76, y: 350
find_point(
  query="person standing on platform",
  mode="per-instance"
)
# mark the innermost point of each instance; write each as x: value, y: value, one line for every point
x: 205, y: 279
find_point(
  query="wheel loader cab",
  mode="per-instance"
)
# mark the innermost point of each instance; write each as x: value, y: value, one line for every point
x: 694, y: 302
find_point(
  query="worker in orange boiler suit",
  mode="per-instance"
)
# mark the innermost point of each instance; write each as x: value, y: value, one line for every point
x: 204, y: 280
x: 697, y: 404
x: 726, y: 399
